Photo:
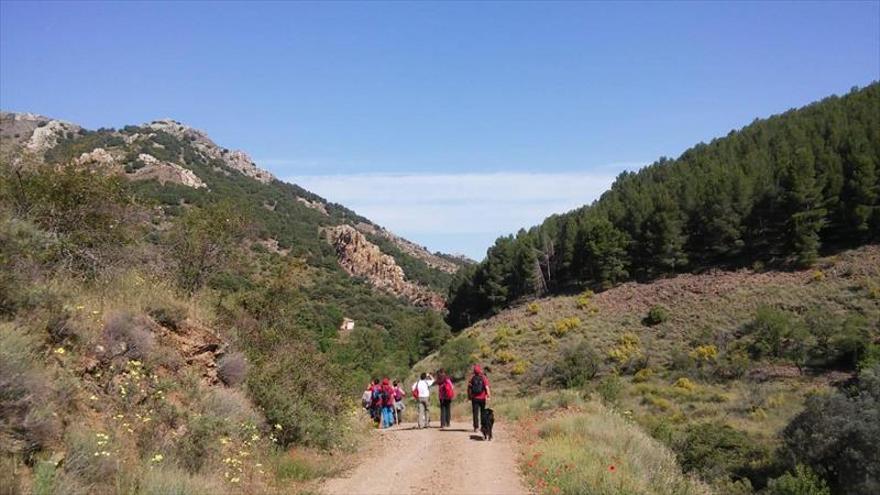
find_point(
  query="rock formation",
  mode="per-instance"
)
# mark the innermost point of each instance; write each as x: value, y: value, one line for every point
x: 235, y: 159
x: 410, y: 248
x: 361, y: 258
x: 315, y: 205
x: 165, y: 172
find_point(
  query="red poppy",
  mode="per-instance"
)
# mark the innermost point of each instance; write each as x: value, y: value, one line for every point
x: 612, y: 468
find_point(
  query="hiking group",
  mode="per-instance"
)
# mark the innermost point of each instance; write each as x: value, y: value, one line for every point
x: 385, y: 400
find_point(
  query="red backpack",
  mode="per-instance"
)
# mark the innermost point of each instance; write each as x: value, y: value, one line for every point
x: 447, y: 391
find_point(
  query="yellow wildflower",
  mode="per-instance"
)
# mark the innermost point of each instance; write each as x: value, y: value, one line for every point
x: 60, y: 350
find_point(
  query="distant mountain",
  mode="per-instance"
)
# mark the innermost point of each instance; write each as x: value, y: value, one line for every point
x: 175, y: 163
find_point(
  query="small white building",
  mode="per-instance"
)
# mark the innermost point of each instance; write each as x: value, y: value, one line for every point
x: 347, y: 325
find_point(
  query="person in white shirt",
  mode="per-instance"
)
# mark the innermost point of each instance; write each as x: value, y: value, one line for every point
x: 422, y: 391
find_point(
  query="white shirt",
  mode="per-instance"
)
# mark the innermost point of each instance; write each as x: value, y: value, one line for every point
x: 424, y: 388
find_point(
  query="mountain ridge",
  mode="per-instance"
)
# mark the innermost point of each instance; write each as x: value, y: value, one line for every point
x: 40, y: 135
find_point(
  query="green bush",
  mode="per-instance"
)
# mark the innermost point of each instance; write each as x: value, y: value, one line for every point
x: 456, y: 356
x: 802, y: 482
x: 656, y: 315
x: 770, y: 330
x: 837, y: 436
x: 609, y: 389
x: 202, y: 242
x: 715, y: 450
x: 575, y: 366
x: 93, y: 214
x: 297, y: 389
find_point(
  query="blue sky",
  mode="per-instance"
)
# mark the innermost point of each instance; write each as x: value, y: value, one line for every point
x: 450, y: 123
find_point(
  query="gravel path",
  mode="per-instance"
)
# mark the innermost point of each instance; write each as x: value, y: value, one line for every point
x: 455, y: 461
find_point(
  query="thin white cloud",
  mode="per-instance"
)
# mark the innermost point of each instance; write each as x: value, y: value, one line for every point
x: 460, y: 212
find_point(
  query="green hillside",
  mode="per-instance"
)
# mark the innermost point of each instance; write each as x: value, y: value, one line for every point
x: 717, y: 365
x: 777, y: 192
x: 165, y: 327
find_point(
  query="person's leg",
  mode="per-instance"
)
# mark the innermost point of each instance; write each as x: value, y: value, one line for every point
x: 443, y: 413
x: 481, y: 405
x: 427, y: 414
x: 475, y: 409
x: 423, y: 413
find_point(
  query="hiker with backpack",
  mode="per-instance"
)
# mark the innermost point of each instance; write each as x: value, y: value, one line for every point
x: 376, y: 402
x: 399, y: 406
x: 478, y: 393
x: 421, y: 391
x: 446, y: 392
x: 386, y: 396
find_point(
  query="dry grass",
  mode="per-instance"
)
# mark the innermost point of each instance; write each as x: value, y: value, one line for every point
x: 573, y: 446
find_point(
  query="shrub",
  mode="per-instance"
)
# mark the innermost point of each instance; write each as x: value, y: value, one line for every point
x: 563, y: 325
x: 802, y: 482
x: 194, y: 449
x: 504, y: 357
x: 585, y: 300
x: 81, y: 460
x: 91, y: 213
x: 643, y: 375
x: 456, y: 356
x: 627, y: 353
x: 168, y: 315
x: 232, y: 369
x: 656, y: 315
x: 837, y: 436
x: 733, y: 364
x: 609, y: 389
x: 519, y: 368
x: 501, y: 340
x: 714, y: 450
x: 769, y: 330
x: 310, y: 415
x: 27, y: 422
x: 575, y: 366
x: 202, y: 241
x: 704, y: 354
x: 852, y: 340
x: 684, y: 384
x: 533, y: 308
x: 127, y: 335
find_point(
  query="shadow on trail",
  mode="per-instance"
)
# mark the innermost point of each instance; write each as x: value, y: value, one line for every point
x: 478, y: 438
x: 455, y: 429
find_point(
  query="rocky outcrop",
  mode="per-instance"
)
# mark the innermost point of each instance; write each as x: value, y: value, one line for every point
x: 98, y: 156
x: 315, y: 205
x: 235, y: 159
x: 164, y: 172
x: 34, y: 133
x: 411, y: 248
x: 361, y: 258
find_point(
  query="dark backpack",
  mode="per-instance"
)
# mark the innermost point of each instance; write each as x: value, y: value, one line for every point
x: 379, y: 395
x: 477, y: 385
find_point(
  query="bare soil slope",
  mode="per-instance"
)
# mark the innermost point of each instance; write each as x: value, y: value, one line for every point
x: 406, y: 460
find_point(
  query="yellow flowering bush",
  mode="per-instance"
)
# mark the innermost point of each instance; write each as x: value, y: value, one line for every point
x: 563, y: 325
x: 704, y: 354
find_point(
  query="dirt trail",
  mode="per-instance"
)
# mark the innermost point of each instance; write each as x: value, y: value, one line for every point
x: 406, y: 460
